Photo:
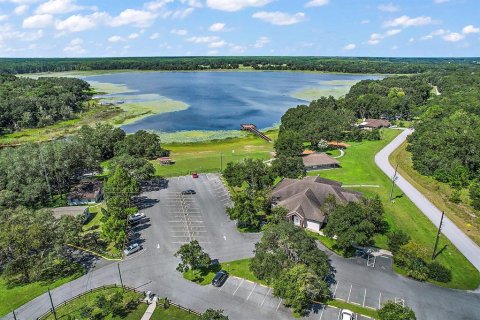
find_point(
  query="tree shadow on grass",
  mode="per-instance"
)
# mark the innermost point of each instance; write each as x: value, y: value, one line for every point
x: 198, y: 276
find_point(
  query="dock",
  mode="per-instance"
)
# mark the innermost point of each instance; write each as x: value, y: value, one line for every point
x: 253, y: 129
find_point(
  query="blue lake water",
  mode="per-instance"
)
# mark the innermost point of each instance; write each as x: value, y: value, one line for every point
x: 220, y: 100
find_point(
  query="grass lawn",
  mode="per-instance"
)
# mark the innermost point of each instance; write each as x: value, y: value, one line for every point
x: 213, y: 155
x: 439, y: 193
x: 72, y: 309
x: 358, y: 167
x: 13, y: 297
x: 172, y: 313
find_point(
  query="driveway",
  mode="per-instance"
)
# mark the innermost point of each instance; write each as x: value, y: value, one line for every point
x: 173, y: 219
x: 460, y: 240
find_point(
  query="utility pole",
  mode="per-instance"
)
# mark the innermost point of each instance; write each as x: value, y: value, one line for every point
x: 53, y: 307
x: 434, y: 255
x: 120, y: 274
x: 394, y: 178
x: 14, y: 316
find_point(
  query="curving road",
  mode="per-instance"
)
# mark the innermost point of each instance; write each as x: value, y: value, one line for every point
x: 459, y: 239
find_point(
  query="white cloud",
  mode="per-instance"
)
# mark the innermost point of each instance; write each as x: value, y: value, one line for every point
x: 217, y: 27
x: 376, y: 37
x: 76, y: 42
x: 138, y: 18
x: 38, y: 21
x: 115, y: 39
x: 192, y: 3
x: 470, y: 29
x: 206, y: 39
x: 440, y: 1
x: 179, y: 32
x: 453, y: 37
x: 349, y: 46
x: 394, y: 48
x: 365, y: 21
x: 21, y: 9
x: 74, y: 50
x: 3, y: 17
x: 438, y: 32
x: 77, y: 23
x: 182, y: 13
x: 212, y: 52
x: 389, y: 7
x: 154, y: 36
x: 133, y: 36
x: 235, y: 5
x: 57, y: 7
x: 411, y: 40
x: 316, y: 3
x: 157, y: 5
x: 261, y: 42
x: 238, y: 49
x: 406, y: 21
x: 280, y: 18
x: 217, y: 44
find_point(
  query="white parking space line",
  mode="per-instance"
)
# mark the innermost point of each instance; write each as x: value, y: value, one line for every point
x: 279, y: 303
x: 223, y: 286
x: 350, y: 292
x: 335, y: 290
x: 379, y: 300
x: 364, y: 296
x: 251, y: 291
x: 269, y: 289
x: 239, y: 286
x: 321, y: 313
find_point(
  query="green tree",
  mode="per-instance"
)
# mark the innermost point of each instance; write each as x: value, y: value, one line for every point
x: 249, y: 208
x: 396, y: 239
x: 411, y: 257
x: 322, y: 145
x: 211, y: 314
x: 100, y: 140
x: 141, y: 144
x: 192, y: 257
x: 289, y: 144
x: 355, y: 223
x: 288, y: 167
x: 139, y: 168
x: 394, y: 311
x: 252, y: 171
x: 299, y: 286
x: 475, y: 194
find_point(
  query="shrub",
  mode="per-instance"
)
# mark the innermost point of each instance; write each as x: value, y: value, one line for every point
x: 455, y: 196
x: 439, y: 273
x: 411, y: 257
x: 396, y: 239
x: 394, y: 311
x: 475, y: 194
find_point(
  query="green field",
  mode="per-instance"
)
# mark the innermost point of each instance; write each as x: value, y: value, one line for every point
x: 72, y: 310
x: 172, y: 313
x: 358, y: 167
x: 213, y: 155
x: 12, y: 297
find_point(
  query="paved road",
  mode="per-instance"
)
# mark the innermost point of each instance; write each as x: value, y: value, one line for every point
x: 173, y: 219
x: 460, y: 240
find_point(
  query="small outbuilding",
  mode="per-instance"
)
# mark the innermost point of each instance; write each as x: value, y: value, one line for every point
x: 370, y: 124
x: 165, y: 161
x: 86, y: 192
x: 318, y: 161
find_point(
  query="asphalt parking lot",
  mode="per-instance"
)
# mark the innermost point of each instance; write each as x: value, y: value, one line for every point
x: 178, y: 218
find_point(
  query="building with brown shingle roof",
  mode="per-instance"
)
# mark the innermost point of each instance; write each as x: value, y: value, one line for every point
x: 370, y: 124
x: 317, y: 161
x: 304, y: 198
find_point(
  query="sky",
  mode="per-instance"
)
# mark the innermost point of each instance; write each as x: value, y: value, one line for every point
x: 87, y: 28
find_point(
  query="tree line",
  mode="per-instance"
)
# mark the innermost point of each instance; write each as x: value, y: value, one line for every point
x: 328, y: 64
x: 29, y: 103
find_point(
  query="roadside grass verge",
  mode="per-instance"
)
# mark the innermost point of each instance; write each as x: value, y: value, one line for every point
x: 353, y: 307
x: 439, y: 193
x: 358, y: 167
x: 171, y: 313
x: 12, y: 297
x: 212, y: 156
x: 72, y: 310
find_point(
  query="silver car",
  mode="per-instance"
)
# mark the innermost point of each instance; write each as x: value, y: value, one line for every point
x: 347, y: 315
x: 132, y: 249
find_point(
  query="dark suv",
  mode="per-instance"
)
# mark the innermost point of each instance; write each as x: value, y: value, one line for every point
x: 220, y: 278
x: 190, y: 191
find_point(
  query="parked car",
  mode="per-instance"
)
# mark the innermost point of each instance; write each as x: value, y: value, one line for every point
x: 189, y: 191
x: 132, y: 249
x: 194, y: 175
x: 136, y: 217
x: 220, y: 278
x: 347, y: 315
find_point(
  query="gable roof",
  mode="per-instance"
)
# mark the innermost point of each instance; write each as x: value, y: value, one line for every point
x: 319, y: 159
x: 305, y: 197
x: 376, y: 123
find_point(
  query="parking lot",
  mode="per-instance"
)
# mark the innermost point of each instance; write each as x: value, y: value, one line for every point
x: 245, y: 291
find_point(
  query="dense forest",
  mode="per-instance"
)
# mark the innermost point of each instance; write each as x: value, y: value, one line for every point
x: 328, y: 64
x: 28, y: 103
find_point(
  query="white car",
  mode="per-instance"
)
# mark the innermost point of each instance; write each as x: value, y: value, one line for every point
x: 136, y: 217
x: 132, y: 249
x: 347, y: 315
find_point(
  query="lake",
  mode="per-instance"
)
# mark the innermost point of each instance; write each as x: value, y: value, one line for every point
x: 224, y: 100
